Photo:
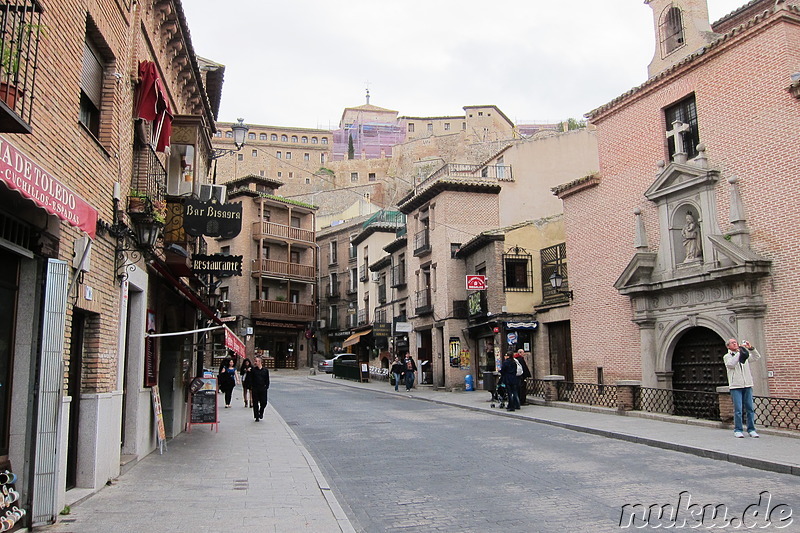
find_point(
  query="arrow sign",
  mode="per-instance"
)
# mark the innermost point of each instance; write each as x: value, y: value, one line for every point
x: 476, y: 283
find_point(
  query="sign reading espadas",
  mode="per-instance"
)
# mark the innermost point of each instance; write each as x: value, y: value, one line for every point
x: 218, y: 265
x: 22, y: 174
x: 212, y: 219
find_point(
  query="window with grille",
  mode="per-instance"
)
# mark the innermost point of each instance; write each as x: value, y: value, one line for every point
x: 517, y: 271
x: 684, y: 111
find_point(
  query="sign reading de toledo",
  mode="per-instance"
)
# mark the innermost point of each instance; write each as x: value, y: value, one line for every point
x: 212, y: 219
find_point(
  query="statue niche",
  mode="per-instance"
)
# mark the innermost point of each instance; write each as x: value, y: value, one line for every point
x: 688, y: 223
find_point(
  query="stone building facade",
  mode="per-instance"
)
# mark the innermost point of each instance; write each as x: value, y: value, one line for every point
x: 686, y: 237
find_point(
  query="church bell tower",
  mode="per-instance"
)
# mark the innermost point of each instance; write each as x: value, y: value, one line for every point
x: 681, y: 29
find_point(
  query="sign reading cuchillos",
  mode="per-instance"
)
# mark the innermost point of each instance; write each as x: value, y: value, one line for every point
x: 22, y: 174
x: 212, y: 219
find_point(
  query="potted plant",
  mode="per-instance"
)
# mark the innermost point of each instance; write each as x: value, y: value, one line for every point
x: 137, y: 202
x: 15, y: 55
x: 159, y: 211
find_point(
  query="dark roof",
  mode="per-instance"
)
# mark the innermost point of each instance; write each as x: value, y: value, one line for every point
x: 397, y: 244
x: 413, y: 200
x: 381, y: 263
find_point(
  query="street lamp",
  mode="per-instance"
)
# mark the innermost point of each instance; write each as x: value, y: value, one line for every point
x: 240, y: 130
x: 556, y: 280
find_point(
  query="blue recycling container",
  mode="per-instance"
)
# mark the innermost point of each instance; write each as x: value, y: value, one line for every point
x: 469, y: 384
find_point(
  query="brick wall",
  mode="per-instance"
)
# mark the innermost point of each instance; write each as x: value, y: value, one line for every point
x: 748, y: 123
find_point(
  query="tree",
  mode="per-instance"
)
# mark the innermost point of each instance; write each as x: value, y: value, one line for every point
x: 573, y: 124
x: 351, y: 151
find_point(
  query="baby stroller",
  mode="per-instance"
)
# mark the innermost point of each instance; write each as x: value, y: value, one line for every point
x: 498, y: 390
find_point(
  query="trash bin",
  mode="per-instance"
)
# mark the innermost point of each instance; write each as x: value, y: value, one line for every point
x: 469, y: 385
x: 489, y: 382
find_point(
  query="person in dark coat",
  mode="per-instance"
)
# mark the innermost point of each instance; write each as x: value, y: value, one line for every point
x: 508, y: 373
x: 396, y: 370
x: 227, y: 381
x: 259, y: 383
x: 244, y: 372
x: 523, y: 379
x: 409, y: 369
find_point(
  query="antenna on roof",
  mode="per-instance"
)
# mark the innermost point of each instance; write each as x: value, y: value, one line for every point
x: 367, y: 82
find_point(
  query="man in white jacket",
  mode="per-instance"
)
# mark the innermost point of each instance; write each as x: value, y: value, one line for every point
x: 740, y: 383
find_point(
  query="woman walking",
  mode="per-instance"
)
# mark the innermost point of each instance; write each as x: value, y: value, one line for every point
x: 244, y: 372
x: 227, y: 381
x: 397, y: 369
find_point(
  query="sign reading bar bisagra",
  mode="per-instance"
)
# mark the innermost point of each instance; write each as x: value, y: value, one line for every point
x: 212, y: 219
x: 217, y: 265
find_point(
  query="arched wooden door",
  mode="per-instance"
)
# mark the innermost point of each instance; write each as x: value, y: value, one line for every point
x: 697, y: 366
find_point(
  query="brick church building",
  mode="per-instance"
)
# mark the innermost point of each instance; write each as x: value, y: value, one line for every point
x: 689, y: 235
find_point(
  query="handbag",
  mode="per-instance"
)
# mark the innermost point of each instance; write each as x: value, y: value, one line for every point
x: 391, y: 379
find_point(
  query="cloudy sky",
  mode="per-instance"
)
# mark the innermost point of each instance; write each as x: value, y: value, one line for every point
x: 301, y: 62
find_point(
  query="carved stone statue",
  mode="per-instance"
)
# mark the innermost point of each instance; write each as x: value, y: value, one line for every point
x: 691, y: 239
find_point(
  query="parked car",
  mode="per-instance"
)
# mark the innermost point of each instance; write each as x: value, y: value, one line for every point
x: 327, y: 365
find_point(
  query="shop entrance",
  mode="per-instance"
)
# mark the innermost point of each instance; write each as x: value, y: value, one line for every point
x: 425, y: 357
x: 9, y: 275
x: 74, y: 390
x: 559, y: 335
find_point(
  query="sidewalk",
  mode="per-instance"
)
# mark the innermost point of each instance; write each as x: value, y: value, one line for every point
x: 212, y: 481
x: 776, y: 451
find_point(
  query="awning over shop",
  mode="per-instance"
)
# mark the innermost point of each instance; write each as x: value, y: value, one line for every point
x: 355, y: 337
x: 22, y: 174
x: 522, y: 325
x: 232, y: 342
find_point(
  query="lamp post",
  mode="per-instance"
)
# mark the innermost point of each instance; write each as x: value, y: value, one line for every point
x: 556, y: 280
x: 240, y: 130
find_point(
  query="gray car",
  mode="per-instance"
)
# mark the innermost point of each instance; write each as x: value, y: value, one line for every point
x: 327, y: 365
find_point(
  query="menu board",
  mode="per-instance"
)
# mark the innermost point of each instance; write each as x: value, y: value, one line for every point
x: 204, y: 401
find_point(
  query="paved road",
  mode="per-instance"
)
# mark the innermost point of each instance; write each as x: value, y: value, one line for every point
x: 399, y: 464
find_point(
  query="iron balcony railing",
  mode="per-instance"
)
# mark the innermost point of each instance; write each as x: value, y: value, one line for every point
x: 332, y: 290
x: 386, y: 218
x: 272, y: 267
x: 271, y: 229
x: 471, y: 172
x: 399, y: 276
x: 422, y: 242
x: 21, y: 29
x: 274, y: 309
x: 382, y: 293
x: 424, y: 305
x: 363, y: 317
x: 149, y: 175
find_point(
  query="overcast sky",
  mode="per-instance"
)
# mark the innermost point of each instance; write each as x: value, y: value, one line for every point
x: 301, y: 62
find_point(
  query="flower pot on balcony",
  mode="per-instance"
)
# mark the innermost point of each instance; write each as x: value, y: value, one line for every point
x: 9, y: 94
x: 137, y: 204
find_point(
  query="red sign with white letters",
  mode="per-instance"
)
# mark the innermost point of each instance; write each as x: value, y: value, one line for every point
x: 22, y: 174
x: 476, y: 283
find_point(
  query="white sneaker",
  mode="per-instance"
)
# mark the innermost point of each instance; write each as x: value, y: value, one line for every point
x: 738, y: 434
x: 753, y: 434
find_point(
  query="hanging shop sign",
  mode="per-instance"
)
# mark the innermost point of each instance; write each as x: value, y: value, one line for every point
x: 22, y: 174
x: 212, y: 219
x: 218, y: 265
x: 522, y: 325
x: 382, y: 329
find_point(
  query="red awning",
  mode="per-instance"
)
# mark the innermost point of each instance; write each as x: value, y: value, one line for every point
x: 152, y: 104
x: 232, y: 342
x: 21, y: 173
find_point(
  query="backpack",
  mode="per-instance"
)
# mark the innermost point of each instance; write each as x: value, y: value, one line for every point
x: 519, y: 368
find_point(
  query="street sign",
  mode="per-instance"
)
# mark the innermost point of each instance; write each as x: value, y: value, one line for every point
x: 476, y: 283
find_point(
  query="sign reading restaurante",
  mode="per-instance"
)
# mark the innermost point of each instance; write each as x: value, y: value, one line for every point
x: 219, y: 265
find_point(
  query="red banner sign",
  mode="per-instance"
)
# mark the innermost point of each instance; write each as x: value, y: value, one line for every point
x: 476, y: 283
x: 22, y: 174
x: 234, y: 343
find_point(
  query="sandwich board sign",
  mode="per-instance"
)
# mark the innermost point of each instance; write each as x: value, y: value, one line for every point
x: 476, y: 283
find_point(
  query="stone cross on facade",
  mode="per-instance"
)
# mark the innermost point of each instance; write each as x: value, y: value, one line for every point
x: 677, y: 132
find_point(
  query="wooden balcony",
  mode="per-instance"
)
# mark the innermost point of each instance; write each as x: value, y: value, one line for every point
x: 273, y: 309
x: 282, y: 269
x: 282, y: 233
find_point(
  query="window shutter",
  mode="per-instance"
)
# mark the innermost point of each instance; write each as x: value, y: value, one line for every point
x: 92, y: 75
